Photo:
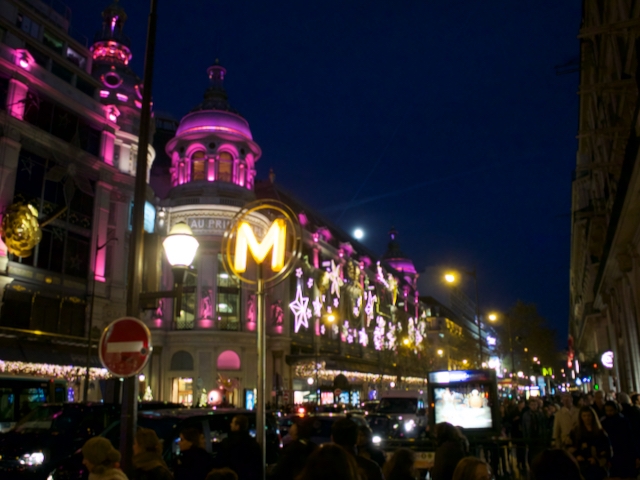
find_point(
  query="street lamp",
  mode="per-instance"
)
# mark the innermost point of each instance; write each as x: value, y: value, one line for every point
x: 451, y: 278
x: 181, y: 247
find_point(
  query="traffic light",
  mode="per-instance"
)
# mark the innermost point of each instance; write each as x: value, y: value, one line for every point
x: 596, y: 387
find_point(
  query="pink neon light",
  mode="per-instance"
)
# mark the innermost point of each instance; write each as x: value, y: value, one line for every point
x: 228, y: 360
x: 24, y: 62
x: 210, y: 173
x: 206, y: 323
x: 157, y: 323
x: 100, y: 278
x: 138, y: 103
x: 122, y: 97
x: 104, y: 93
x: 113, y: 117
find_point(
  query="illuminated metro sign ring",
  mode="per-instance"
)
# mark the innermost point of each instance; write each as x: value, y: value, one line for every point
x: 125, y: 347
x: 607, y: 359
x: 277, y: 251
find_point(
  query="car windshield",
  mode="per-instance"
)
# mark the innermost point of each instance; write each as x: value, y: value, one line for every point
x: 51, y: 418
x: 398, y: 405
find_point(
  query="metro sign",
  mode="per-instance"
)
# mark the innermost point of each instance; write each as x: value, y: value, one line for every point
x: 125, y: 347
x: 275, y: 238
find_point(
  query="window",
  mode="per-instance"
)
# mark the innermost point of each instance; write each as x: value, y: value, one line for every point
x: 225, y: 167
x: 198, y: 166
x: 227, y: 300
x: 27, y: 25
x: 76, y: 58
x: 62, y: 72
x: 16, y: 309
x: 53, y: 42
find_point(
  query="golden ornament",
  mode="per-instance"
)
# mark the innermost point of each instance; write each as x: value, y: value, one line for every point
x: 20, y: 229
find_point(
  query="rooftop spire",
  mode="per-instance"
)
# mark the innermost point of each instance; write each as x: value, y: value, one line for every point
x: 215, y: 97
x: 113, y: 18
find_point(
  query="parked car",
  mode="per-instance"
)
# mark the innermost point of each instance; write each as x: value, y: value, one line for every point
x: 322, y: 423
x: 50, y: 434
x: 167, y: 424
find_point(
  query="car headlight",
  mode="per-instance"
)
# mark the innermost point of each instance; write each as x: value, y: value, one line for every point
x: 376, y: 439
x: 409, y: 425
x: 32, y: 459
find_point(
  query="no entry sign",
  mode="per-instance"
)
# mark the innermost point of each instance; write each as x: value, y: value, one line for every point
x: 125, y: 347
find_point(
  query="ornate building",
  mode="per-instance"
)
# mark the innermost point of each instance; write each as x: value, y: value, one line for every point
x: 69, y: 115
x: 605, y: 271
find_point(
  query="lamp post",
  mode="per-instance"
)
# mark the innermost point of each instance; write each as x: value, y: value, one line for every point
x: 180, y: 247
x: 451, y: 278
x: 93, y: 296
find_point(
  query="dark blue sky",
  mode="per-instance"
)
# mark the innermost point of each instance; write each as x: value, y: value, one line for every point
x: 444, y: 119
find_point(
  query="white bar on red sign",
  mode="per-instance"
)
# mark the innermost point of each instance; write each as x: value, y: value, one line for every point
x: 124, y: 347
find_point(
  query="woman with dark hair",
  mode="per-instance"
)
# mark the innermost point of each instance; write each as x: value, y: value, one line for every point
x: 623, y: 463
x: 400, y: 466
x: 555, y: 464
x: 590, y: 445
x: 330, y: 461
x: 451, y: 447
x: 471, y: 468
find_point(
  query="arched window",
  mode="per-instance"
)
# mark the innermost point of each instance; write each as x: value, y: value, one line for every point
x: 198, y: 166
x: 225, y: 167
x: 228, y: 360
x: 182, y: 361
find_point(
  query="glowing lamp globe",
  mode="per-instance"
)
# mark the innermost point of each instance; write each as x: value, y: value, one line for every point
x: 180, y: 246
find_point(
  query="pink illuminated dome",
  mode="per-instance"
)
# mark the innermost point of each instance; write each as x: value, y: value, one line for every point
x: 395, y: 258
x: 213, y: 143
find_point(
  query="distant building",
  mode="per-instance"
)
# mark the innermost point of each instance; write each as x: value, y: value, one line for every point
x: 605, y: 225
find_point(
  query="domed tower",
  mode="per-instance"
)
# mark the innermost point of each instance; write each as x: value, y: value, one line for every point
x: 213, y: 151
x: 121, y: 90
x: 396, y: 259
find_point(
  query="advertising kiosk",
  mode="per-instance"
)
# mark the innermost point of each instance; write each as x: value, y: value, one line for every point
x: 466, y: 399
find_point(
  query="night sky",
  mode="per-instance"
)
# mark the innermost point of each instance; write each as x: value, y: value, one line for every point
x: 446, y: 120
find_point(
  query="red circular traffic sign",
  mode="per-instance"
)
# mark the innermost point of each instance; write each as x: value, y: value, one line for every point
x: 125, y: 347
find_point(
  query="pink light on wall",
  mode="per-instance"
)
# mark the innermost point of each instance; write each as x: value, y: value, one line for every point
x: 228, y: 360
x: 206, y: 323
x: 122, y: 97
x: 138, y: 103
x: 16, y: 96
x: 211, y: 170
x: 104, y: 93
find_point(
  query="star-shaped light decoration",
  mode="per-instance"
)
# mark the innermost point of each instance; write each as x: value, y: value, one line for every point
x: 300, y: 310
x: 369, y: 305
x: 310, y: 283
x: 317, y: 307
x: 323, y: 330
x: 298, y: 272
x: 335, y: 279
x: 363, y: 338
x: 335, y: 329
x: 336, y: 302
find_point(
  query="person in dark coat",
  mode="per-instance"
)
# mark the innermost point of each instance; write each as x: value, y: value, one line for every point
x: 366, y: 448
x: 344, y: 432
x: 240, y: 451
x: 590, y: 445
x: 534, y: 430
x: 147, y: 457
x: 298, y: 450
x: 623, y: 462
x: 194, y: 462
x: 400, y: 466
x: 451, y: 447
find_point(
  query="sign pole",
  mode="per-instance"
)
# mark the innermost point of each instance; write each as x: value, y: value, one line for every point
x: 262, y: 370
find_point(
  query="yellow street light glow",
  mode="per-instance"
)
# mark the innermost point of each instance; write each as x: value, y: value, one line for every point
x: 406, y: 341
x: 535, y: 359
x: 465, y: 361
x: 450, y: 277
x: 493, y: 317
x: 246, y: 240
x: 526, y: 349
x: 331, y: 317
x: 440, y: 352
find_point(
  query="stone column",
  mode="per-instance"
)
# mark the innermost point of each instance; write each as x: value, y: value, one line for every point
x: 106, y: 147
x: 205, y: 313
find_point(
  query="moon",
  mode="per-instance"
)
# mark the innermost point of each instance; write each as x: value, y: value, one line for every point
x: 358, y: 233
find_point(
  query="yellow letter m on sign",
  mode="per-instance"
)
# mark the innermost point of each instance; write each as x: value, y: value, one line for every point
x: 246, y: 240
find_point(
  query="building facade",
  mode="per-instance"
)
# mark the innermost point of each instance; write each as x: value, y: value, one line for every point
x: 69, y: 117
x: 604, y: 270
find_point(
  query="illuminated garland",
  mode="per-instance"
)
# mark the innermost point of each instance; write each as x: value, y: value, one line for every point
x: 307, y: 370
x: 68, y: 372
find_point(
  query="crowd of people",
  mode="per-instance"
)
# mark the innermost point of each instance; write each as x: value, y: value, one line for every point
x: 589, y: 437
x: 600, y: 433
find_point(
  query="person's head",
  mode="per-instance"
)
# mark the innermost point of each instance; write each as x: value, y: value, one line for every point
x: 588, y: 399
x: 611, y: 408
x: 146, y: 440
x: 471, y: 468
x: 533, y: 404
x: 567, y: 400
x: 588, y: 420
x: 551, y: 409
x: 623, y: 398
x: 635, y: 399
x: 598, y: 398
x: 400, y: 465
x: 555, y: 464
x: 521, y: 405
x: 190, y: 437
x: 365, y: 434
x: 330, y: 461
x: 98, y: 455
x: 240, y: 423
x: 222, y: 474
x: 344, y: 432
x: 446, y: 432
